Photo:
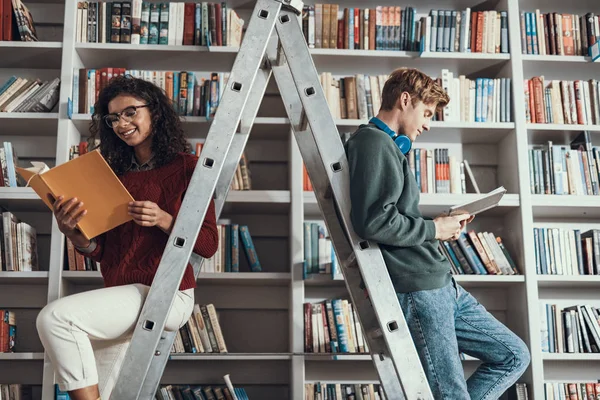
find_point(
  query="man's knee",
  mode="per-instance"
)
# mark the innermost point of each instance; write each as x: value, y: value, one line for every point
x: 522, y: 355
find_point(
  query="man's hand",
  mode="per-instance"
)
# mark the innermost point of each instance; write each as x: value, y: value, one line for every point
x: 449, y: 227
x: 147, y: 213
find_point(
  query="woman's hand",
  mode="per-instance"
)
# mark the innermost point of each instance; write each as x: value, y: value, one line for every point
x: 147, y: 213
x: 68, y: 213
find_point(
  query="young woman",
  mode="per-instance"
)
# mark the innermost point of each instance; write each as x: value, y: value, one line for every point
x: 86, y: 335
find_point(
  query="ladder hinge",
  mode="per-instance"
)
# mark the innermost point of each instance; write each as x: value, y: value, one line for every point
x: 293, y: 5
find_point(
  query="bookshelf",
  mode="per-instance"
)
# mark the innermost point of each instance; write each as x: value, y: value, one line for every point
x: 268, y: 358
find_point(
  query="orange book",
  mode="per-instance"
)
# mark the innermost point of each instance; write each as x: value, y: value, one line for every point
x: 90, y: 179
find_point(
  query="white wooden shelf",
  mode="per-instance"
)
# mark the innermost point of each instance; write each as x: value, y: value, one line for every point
x: 238, y: 201
x: 337, y: 60
x: 571, y: 357
x: 30, y: 124
x: 467, y: 281
x: 39, y: 55
x: 431, y: 204
x: 21, y: 199
x: 257, y: 202
x: 23, y: 277
x: 489, y: 281
x: 565, y: 206
x: 21, y: 356
x: 442, y: 124
x: 230, y: 357
x: 563, y: 127
x: 337, y: 357
x: 569, y: 281
x: 407, y: 54
x: 180, y: 58
x: 197, y: 127
x: 266, y: 279
x: 450, y: 131
x: 351, y: 357
x: 555, y: 58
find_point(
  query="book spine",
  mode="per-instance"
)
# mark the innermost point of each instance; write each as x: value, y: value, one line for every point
x: 249, y: 249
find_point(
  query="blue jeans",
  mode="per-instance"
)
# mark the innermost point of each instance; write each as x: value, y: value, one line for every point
x: 446, y: 321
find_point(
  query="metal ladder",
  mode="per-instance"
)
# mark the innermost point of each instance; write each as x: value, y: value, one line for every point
x: 285, y: 54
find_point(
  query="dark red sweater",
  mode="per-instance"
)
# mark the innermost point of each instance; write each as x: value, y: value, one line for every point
x: 130, y: 253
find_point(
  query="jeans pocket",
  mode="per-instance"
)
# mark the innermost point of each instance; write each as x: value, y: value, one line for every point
x: 455, y: 289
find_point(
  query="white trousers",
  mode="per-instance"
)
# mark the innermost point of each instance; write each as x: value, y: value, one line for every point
x: 86, y: 335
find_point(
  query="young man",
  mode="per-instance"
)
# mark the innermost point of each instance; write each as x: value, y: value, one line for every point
x: 442, y: 317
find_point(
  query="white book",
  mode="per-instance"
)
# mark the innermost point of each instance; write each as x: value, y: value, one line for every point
x: 173, y: 23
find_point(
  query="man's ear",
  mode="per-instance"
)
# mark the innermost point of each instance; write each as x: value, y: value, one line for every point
x: 403, y: 101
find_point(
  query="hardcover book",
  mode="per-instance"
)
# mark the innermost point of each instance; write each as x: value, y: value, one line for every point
x: 92, y: 181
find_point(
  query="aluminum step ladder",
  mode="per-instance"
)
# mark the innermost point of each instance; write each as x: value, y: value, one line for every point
x: 274, y: 43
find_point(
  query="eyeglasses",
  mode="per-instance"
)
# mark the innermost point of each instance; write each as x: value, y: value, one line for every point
x: 128, y: 114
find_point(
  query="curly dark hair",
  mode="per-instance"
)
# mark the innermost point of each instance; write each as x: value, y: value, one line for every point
x: 168, y: 138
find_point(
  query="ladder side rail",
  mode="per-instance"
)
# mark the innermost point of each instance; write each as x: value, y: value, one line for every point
x: 157, y: 366
x: 377, y: 281
x: 309, y: 152
x: 150, y: 325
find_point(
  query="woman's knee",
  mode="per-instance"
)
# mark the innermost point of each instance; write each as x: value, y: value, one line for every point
x: 49, y: 317
x: 181, y: 311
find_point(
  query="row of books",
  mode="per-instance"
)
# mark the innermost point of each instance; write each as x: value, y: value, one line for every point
x: 396, y: 28
x: 556, y: 33
x: 343, y: 391
x: 168, y: 23
x: 8, y: 331
x: 192, y: 94
x: 9, y: 160
x: 16, y: 22
x: 201, y: 334
x: 436, y: 171
x: 19, y: 94
x: 194, y: 392
x: 466, y: 31
x: 75, y: 261
x: 242, y: 179
x: 562, y: 102
x: 471, y: 100
x: 332, y: 326
x: 319, y: 254
x: 565, y: 169
x: 18, y: 244
x: 478, y: 253
x: 574, y: 329
x: 475, y: 100
x: 561, y: 251
x: 232, y: 237
x: 15, y: 390
x: 571, y: 390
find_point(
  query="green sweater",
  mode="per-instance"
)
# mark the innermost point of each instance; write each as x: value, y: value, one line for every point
x: 385, y: 209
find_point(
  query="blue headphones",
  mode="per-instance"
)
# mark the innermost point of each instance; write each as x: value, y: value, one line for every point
x: 402, y: 141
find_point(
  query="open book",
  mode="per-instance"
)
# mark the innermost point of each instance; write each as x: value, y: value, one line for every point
x: 485, y: 202
x: 92, y: 181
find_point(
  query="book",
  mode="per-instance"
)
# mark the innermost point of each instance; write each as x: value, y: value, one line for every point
x: 90, y: 179
x: 487, y: 201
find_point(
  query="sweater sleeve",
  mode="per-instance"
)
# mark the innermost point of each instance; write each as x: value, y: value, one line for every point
x: 208, y: 238
x: 95, y: 251
x: 377, y: 179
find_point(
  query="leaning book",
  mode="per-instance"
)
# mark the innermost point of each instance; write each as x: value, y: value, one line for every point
x: 90, y: 179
